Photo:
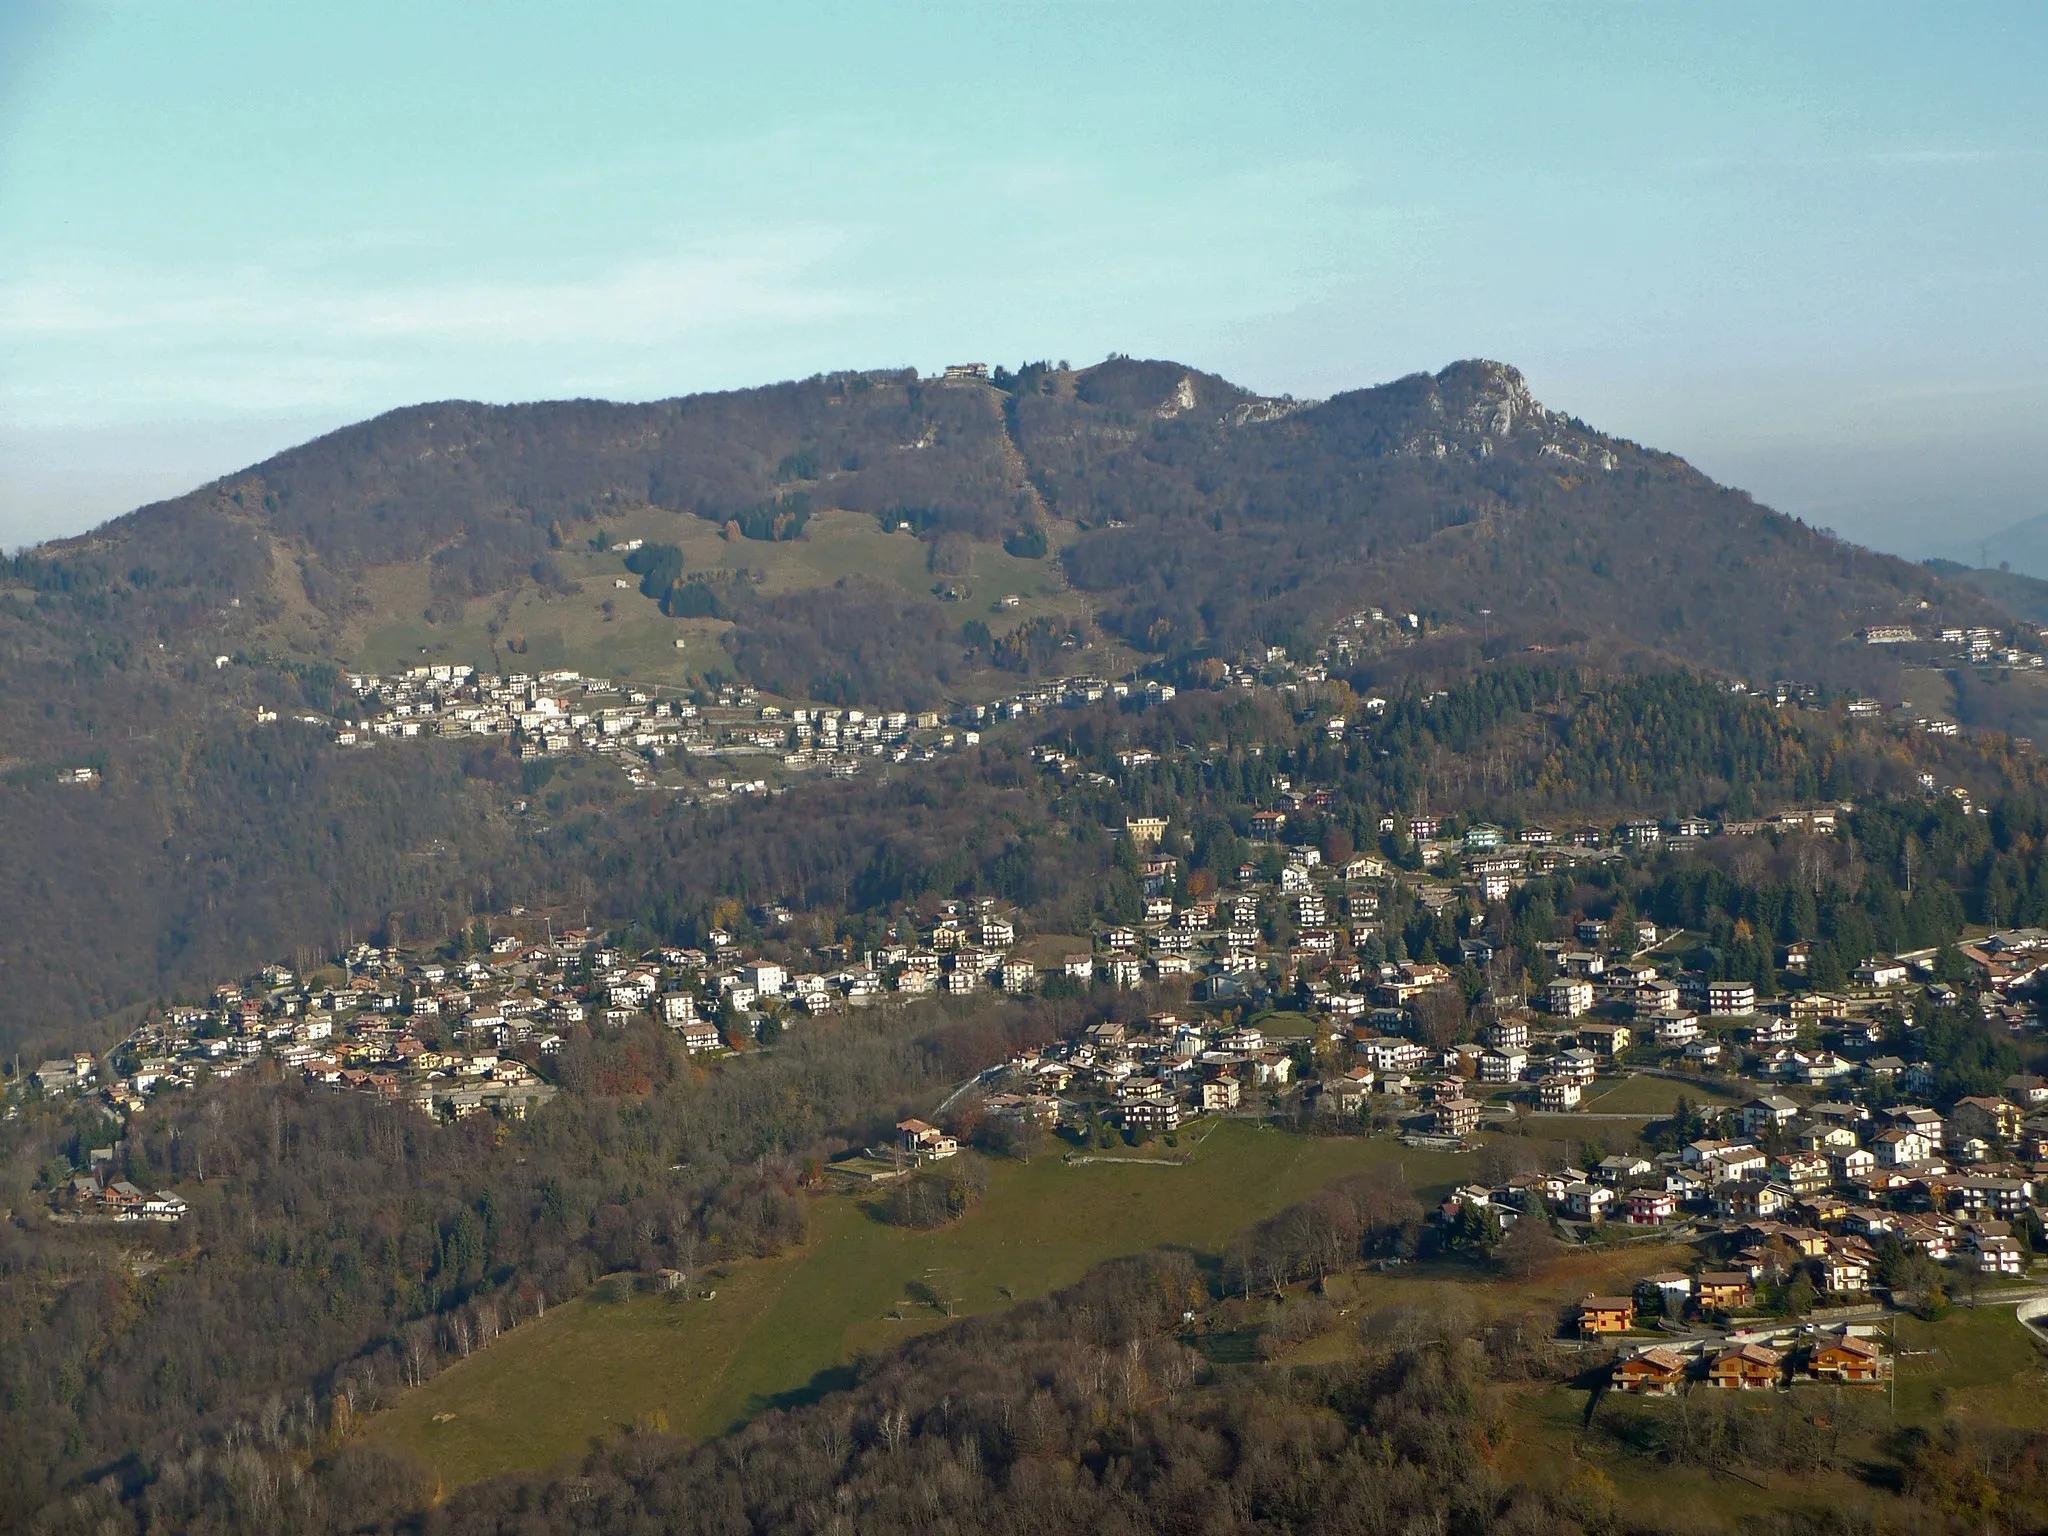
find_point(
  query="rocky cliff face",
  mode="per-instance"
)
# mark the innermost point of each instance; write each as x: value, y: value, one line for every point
x: 1475, y: 408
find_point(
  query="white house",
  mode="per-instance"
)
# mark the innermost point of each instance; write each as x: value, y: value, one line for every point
x: 1570, y: 997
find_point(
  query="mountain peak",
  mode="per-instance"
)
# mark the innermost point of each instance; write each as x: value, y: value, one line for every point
x: 1486, y: 397
x: 1470, y: 409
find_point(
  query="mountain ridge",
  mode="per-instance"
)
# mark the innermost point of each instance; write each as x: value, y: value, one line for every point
x: 487, y: 495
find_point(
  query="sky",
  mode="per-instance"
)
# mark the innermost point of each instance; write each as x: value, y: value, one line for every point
x: 1805, y: 246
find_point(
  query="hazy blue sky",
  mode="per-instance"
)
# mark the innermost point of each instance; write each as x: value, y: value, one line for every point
x: 1801, y: 244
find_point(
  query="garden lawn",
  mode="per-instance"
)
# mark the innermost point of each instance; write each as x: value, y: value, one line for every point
x: 1285, y: 1024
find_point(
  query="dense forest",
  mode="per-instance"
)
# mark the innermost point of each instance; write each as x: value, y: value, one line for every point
x: 1516, y: 744
x: 202, y: 857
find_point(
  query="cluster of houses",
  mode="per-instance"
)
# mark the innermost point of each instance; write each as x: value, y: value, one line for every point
x: 1978, y: 645
x: 1142, y: 1078
x: 1773, y: 1360
x: 562, y: 712
x: 377, y: 1030
x: 94, y: 1194
x: 455, y: 1038
x: 1602, y: 1011
x: 1833, y: 1178
x: 559, y: 713
x: 1613, y: 1008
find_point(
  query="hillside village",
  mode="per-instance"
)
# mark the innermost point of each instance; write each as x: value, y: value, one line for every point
x: 727, y: 738
x: 1815, y: 1156
x: 562, y: 713
x: 1815, y: 1150
x: 646, y: 729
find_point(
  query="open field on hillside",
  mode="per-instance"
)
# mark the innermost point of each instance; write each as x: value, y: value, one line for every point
x: 780, y: 1331
x: 1642, y: 1094
x: 1470, y: 1293
x: 780, y: 1328
x: 1547, y: 1442
x: 1977, y: 1364
x: 636, y: 641
x: 1286, y: 1024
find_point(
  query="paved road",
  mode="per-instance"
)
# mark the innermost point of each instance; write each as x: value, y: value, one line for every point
x: 973, y: 1082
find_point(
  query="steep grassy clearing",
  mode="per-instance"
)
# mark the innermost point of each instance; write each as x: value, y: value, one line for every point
x: 635, y: 640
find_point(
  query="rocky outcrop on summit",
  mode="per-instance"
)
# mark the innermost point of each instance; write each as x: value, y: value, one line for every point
x: 1453, y: 493
x: 1483, y: 399
x: 1473, y: 409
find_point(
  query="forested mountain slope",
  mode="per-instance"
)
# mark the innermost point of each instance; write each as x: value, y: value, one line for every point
x: 1209, y: 519
x: 1165, y: 518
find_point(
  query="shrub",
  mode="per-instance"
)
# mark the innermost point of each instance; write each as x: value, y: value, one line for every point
x: 937, y: 1195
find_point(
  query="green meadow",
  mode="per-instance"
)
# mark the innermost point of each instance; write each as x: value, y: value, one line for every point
x: 779, y: 1330
x: 1652, y: 1097
x: 607, y: 630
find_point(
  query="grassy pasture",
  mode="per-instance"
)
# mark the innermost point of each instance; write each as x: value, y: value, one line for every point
x: 782, y: 1328
x: 1977, y: 1364
x: 1652, y: 1097
x: 780, y: 1331
x: 635, y: 641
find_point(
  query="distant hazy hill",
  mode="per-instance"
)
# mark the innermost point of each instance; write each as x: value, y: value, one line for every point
x: 2021, y: 548
x: 2024, y: 597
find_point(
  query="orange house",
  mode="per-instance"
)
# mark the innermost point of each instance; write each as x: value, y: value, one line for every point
x: 1656, y: 1372
x: 1606, y: 1314
x: 1752, y: 1368
x: 1849, y: 1359
x: 1725, y: 1289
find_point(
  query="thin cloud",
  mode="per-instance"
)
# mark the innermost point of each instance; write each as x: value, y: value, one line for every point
x: 1930, y: 157
x: 747, y: 278
x: 1936, y: 156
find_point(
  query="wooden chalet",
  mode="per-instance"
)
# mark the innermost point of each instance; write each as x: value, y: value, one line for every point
x: 1848, y: 1359
x: 1656, y: 1372
x: 1747, y: 1368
